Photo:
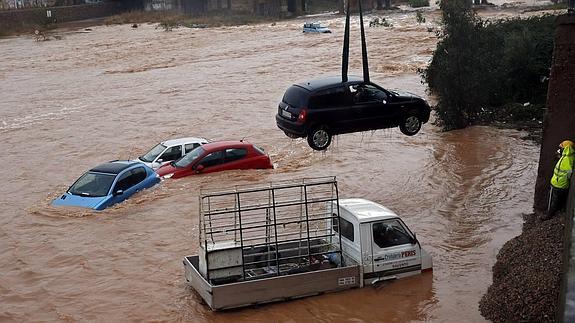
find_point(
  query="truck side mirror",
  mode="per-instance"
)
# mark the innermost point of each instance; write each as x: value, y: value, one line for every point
x: 414, y: 239
x: 199, y: 168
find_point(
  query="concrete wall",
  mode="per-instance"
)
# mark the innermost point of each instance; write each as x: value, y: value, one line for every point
x: 559, y: 125
x: 22, y: 18
x: 566, y: 308
x: 23, y: 4
x: 559, y: 122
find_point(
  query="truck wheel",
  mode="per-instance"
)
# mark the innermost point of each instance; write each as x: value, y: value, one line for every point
x: 319, y: 138
x: 410, y: 125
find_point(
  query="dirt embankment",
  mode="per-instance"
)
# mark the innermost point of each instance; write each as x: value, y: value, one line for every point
x: 527, y: 274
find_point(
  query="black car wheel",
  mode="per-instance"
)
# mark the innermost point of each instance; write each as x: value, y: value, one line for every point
x: 410, y: 124
x: 319, y: 138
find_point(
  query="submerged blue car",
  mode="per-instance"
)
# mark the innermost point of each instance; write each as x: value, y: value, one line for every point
x: 108, y: 184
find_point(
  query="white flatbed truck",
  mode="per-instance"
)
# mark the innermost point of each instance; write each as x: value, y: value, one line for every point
x: 295, y: 239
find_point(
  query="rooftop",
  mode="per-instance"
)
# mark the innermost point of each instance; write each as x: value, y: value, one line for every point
x: 326, y: 82
x: 366, y: 210
x: 215, y: 145
x: 113, y: 167
x: 181, y: 141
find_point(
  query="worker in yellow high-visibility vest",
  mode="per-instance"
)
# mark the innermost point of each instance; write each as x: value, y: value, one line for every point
x: 561, y: 178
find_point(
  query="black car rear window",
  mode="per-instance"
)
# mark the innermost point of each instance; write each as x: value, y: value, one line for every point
x: 296, y: 96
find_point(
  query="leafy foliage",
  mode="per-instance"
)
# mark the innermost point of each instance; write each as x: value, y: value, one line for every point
x: 480, y: 67
x: 168, y: 24
x: 379, y: 22
x: 419, y: 18
x: 168, y: 20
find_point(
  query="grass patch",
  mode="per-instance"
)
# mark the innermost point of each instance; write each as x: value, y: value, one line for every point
x: 419, y: 18
x: 418, y: 3
x: 138, y: 17
x: 171, y: 19
x: 320, y: 6
x: 379, y: 22
x: 39, y: 22
x: 552, y: 6
x: 25, y: 28
x: 226, y: 20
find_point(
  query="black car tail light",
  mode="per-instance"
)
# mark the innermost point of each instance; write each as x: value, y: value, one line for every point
x: 302, y: 115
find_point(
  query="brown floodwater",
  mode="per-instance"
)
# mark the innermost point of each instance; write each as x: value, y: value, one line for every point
x: 113, y: 92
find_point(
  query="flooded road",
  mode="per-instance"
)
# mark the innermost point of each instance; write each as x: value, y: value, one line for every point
x: 113, y: 92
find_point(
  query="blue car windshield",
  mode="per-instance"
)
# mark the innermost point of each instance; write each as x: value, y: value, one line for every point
x: 153, y: 153
x: 92, y: 185
x: 189, y: 157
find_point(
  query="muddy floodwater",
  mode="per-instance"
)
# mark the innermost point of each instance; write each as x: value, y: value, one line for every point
x: 112, y: 92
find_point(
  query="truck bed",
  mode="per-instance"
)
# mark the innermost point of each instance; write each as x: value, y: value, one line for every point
x: 271, y: 289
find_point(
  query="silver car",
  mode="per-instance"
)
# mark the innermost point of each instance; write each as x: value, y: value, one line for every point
x: 170, y: 150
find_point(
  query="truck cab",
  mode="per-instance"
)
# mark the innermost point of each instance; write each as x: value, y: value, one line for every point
x: 377, y: 239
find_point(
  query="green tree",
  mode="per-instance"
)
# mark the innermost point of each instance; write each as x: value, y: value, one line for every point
x: 482, y: 69
x: 451, y: 63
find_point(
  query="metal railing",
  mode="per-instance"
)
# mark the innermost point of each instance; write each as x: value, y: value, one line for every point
x: 279, y: 227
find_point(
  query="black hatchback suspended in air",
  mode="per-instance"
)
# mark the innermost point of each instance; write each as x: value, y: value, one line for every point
x: 321, y: 108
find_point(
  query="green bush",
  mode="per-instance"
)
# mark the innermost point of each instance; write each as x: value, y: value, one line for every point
x: 379, y: 22
x: 418, y: 3
x: 168, y: 24
x: 419, y: 18
x: 480, y: 66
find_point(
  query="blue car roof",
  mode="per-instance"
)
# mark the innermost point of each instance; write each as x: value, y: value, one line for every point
x: 113, y: 167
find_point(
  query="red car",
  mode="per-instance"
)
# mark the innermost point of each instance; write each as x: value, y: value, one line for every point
x: 216, y: 157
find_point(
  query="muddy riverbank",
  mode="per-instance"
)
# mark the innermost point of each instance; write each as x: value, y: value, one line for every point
x: 527, y: 275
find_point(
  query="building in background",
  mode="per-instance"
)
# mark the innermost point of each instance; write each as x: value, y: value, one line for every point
x: 21, y: 4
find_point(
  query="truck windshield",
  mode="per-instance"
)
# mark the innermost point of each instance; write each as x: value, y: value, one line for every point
x: 92, y: 185
x: 389, y: 234
x: 189, y: 158
x: 151, y: 155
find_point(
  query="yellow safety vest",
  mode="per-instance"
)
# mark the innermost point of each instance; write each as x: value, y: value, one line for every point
x: 563, y: 169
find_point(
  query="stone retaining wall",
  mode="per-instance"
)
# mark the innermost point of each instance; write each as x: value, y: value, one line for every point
x: 559, y: 122
x: 23, y: 18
